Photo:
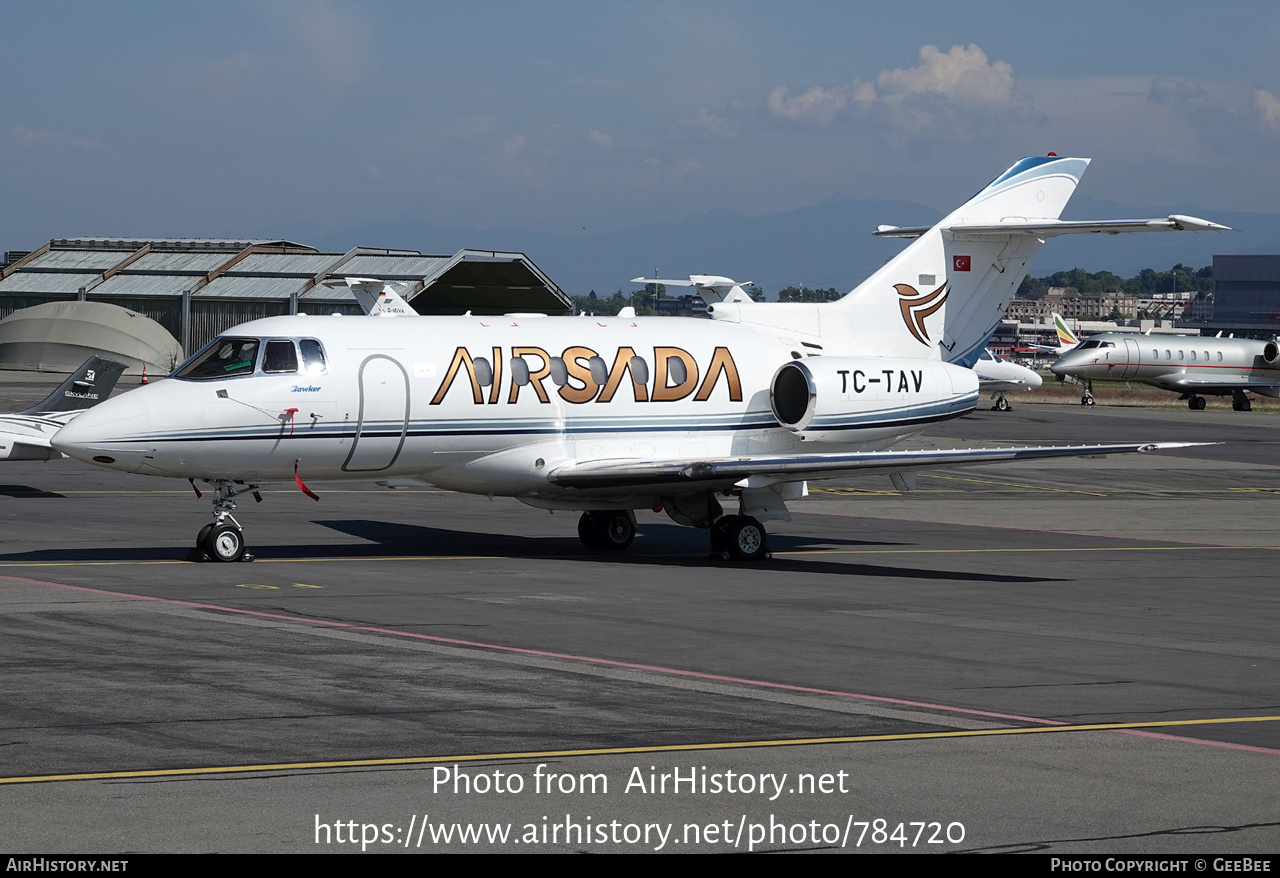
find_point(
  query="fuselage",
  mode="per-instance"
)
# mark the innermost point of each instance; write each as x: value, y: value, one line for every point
x: 494, y: 404
x: 996, y: 374
x: 1188, y: 364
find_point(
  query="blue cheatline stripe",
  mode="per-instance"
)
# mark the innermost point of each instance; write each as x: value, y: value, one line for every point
x: 396, y: 433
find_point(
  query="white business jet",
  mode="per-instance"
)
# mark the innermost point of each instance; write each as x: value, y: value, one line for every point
x: 999, y: 376
x: 1187, y: 364
x: 25, y: 435
x: 609, y: 415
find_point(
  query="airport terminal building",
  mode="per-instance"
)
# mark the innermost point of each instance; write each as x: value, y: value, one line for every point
x: 199, y: 288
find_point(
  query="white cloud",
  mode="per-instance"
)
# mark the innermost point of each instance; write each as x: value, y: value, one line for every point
x: 1268, y: 107
x: 962, y: 74
x: 955, y: 93
x: 43, y: 137
x: 714, y: 123
x: 599, y: 138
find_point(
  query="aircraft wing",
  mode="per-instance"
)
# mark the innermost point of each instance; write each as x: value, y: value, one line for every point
x: 704, y: 474
x: 1053, y: 228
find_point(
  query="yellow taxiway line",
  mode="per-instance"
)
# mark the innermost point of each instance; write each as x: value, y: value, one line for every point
x: 617, y: 751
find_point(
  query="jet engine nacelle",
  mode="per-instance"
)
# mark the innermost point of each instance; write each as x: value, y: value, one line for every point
x: 841, y: 399
x: 1270, y: 352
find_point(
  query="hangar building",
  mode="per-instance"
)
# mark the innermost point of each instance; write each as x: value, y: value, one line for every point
x: 199, y: 288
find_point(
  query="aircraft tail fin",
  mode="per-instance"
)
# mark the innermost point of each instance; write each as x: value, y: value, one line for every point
x: 1066, y: 338
x: 377, y: 298
x: 952, y: 286
x: 87, y: 386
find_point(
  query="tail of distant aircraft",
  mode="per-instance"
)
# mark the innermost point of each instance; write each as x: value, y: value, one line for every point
x: 377, y: 298
x: 87, y: 386
x: 1066, y: 338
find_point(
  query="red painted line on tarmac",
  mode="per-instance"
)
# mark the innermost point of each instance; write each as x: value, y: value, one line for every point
x: 698, y: 675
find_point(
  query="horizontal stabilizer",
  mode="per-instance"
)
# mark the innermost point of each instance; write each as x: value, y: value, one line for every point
x: 1172, y: 223
x: 636, y: 474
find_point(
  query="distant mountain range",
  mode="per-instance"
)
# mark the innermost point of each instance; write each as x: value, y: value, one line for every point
x: 826, y: 245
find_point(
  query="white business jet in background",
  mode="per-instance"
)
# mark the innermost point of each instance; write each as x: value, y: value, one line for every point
x: 999, y: 376
x: 25, y: 435
x: 1186, y: 364
x: 609, y: 415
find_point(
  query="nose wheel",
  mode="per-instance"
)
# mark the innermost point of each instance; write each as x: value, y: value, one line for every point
x: 223, y: 540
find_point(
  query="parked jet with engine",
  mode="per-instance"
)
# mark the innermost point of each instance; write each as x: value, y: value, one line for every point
x: 25, y: 435
x: 999, y: 376
x: 1193, y: 366
x: 609, y: 415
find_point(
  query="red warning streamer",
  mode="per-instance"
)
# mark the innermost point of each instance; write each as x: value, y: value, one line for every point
x: 301, y: 487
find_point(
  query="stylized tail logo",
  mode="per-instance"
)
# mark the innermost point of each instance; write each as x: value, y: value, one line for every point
x: 917, y: 306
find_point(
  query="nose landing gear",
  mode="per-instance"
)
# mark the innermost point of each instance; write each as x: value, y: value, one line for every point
x: 224, y: 539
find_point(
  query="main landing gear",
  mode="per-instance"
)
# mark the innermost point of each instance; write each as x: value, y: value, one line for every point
x: 733, y: 537
x: 1196, y: 403
x: 739, y: 538
x: 224, y: 539
x: 613, y: 529
x: 1240, y: 401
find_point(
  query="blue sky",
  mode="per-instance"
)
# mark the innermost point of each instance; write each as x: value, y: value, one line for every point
x: 304, y: 118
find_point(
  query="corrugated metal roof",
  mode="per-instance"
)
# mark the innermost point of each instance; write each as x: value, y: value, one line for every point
x: 45, y: 282
x: 232, y: 287
x: 309, y: 264
x: 416, y: 266
x: 175, y: 260
x: 83, y: 260
x: 145, y: 285
x: 321, y: 293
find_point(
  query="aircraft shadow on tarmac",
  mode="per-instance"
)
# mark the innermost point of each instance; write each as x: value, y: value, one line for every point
x: 663, y: 545
x: 657, y: 544
x: 24, y: 492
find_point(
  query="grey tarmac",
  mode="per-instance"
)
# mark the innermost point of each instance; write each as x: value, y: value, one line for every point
x: 1072, y: 657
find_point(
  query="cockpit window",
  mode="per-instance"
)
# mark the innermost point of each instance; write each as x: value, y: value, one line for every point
x: 312, y: 356
x: 223, y: 358
x: 1094, y: 343
x: 280, y: 357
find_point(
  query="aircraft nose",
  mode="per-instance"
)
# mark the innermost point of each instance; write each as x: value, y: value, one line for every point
x: 1062, y: 365
x: 1034, y: 381
x: 110, y: 434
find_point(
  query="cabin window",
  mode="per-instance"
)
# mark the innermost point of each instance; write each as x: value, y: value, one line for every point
x: 520, y: 371
x: 222, y: 358
x: 1168, y: 354
x: 639, y: 370
x: 312, y: 357
x: 559, y: 374
x: 1180, y: 355
x: 281, y: 356
x: 484, y: 372
x: 1206, y: 356
x: 1155, y: 355
x: 1193, y: 355
x: 599, y: 370
x: 677, y: 374
x: 1219, y: 356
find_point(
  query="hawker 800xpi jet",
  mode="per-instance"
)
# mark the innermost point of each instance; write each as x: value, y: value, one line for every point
x: 606, y: 415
